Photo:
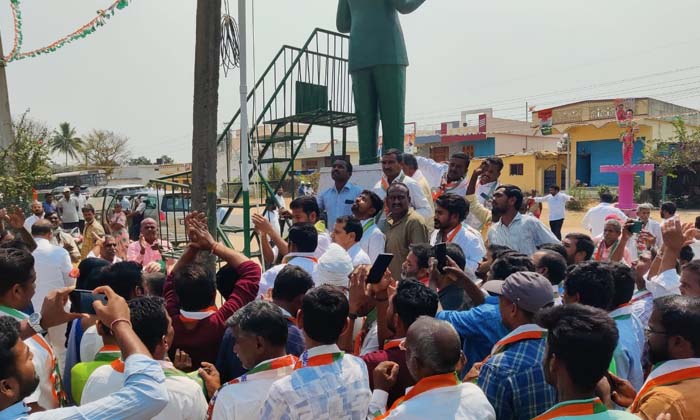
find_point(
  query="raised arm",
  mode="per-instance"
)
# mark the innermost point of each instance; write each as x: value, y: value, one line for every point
x: 432, y: 171
x: 343, y: 17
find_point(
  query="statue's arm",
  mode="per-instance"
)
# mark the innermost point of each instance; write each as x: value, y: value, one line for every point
x: 343, y: 19
x: 407, y: 6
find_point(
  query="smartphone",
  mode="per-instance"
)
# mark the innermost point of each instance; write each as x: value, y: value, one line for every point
x: 82, y: 301
x: 379, y: 267
x: 441, y: 255
x: 636, y: 227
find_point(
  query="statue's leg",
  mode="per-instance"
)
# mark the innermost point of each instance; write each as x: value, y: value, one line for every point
x: 391, y: 89
x: 364, y: 91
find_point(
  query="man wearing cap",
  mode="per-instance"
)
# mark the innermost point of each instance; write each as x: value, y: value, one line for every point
x: 512, y: 377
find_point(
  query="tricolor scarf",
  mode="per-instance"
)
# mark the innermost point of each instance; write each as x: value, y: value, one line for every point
x: 622, y: 312
x: 522, y: 333
x: 600, y: 250
x: 188, y: 317
x: 446, y: 186
x: 277, y: 363
x: 318, y: 360
x: 639, y: 295
x: 392, y: 344
x: 451, y: 235
x: 424, y: 385
x: 574, y: 408
x: 667, y: 373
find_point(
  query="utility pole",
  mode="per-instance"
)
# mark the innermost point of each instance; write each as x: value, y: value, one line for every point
x: 6, y: 134
x: 206, y: 103
x: 243, y: 90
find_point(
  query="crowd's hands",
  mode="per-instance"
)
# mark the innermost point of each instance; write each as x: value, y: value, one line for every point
x: 357, y: 289
x: 473, y: 372
x: 116, y: 307
x: 647, y: 238
x: 152, y: 267
x: 182, y: 361
x: 385, y: 375
x: 53, y: 310
x: 677, y: 235
x: 262, y: 225
x: 622, y: 392
x: 14, y: 217
x: 211, y: 378
x: 200, y: 238
x: 452, y: 273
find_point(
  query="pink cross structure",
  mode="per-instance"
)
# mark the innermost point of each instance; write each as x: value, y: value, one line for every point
x: 625, y: 176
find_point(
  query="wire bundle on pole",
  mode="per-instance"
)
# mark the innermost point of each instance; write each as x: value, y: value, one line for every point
x: 230, y: 51
x: 15, y: 54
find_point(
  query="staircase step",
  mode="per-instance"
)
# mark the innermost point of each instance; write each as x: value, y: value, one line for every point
x: 274, y: 160
x: 323, y: 118
x: 284, y: 138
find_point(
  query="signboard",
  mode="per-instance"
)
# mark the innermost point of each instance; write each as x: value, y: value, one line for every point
x: 482, y: 123
x: 545, y: 117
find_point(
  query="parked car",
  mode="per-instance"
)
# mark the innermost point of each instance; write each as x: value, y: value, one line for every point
x: 104, y: 198
x: 169, y: 210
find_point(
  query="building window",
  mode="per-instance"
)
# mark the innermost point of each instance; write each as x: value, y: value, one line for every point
x: 516, y: 169
x: 468, y: 150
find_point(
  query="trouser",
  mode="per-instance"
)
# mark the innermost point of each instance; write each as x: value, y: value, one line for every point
x: 380, y: 92
x: 81, y: 225
x: 555, y: 226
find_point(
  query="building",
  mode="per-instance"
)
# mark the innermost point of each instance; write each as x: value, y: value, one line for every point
x: 487, y: 137
x: 142, y: 174
x: 594, y: 133
x: 314, y: 156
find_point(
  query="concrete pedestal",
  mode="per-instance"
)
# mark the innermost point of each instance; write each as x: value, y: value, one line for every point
x: 625, y: 176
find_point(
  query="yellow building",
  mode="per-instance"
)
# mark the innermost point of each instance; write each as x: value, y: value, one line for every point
x: 535, y: 170
x: 594, y: 133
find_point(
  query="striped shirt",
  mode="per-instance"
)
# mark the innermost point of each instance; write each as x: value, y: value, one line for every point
x: 523, y: 234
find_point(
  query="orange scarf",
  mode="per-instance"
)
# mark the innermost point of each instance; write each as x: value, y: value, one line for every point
x: 424, y: 385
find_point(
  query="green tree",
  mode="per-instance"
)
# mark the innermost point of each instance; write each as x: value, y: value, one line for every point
x: 65, y: 141
x: 106, y: 149
x: 165, y: 159
x: 675, y: 153
x: 141, y: 160
x: 25, y: 163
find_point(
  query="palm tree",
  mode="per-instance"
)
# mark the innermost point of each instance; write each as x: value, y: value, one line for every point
x: 64, y: 141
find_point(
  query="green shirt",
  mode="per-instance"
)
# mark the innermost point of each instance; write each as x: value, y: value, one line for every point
x: 375, y: 31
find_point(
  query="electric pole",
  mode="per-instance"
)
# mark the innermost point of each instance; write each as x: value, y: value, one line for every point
x: 6, y: 134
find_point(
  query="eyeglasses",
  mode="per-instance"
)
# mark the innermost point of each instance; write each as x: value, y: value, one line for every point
x: 649, y: 331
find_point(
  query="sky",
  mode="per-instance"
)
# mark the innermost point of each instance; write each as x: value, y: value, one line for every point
x: 134, y: 76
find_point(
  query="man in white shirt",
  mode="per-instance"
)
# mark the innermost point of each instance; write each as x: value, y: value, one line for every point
x: 391, y: 168
x: 450, y: 212
x: 152, y: 325
x: 557, y: 208
x: 82, y: 200
x: 652, y: 236
x: 69, y: 209
x: 410, y: 168
x: 366, y: 207
x: 302, y: 243
x: 594, y: 220
x: 448, y: 177
x: 433, y: 350
x: 105, y: 248
x: 260, y: 333
x: 37, y: 214
x: 488, y: 183
x: 326, y: 383
x: 347, y: 233
x: 52, y: 265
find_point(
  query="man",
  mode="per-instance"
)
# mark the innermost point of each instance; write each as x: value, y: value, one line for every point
x: 642, y: 299
x: 291, y: 284
x: 690, y: 279
x: 410, y: 301
x: 512, y: 377
x: 449, y: 177
x: 450, y: 212
x: 481, y: 327
x: 405, y: 226
x: 142, y: 396
x: 325, y: 382
x: 337, y: 200
x: 432, y: 355
x: 667, y: 210
x: 260, y: 332
x: 663, y: 279
x: 153, y: 327
x: 409, y: 166
x: 147, y: 249
x: 595, y: 217
x: 673, y: 338
x: 334, y: 267
x: 485, y: 187
x: 416, y: 266
x: 557, y: 208
x: 62, y: 239
x: 190, y: 294
x: 480, y: 217
x: 366, y: 207
x: 37, y: 214
x: 92, y: 232
x: 281, y: 207
x: 552, y: 266
x: 303, y: 210
x: 347, y: 233
x: 105, y: 248
x: 52, y: 265
x: 392, y: 173
x: 650, y: 227
x: 69, y: 210
x: 580, y: 343
x: 302, y: 245
x: 450, y: 282
x: 82, y: 201
x: 17, y: 283
x: 517, y: 231
x: 592, y: 283
x: 579, y: 247
x: 48, y: 204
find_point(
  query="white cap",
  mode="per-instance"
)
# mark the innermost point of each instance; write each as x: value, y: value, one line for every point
x: 334, y: 267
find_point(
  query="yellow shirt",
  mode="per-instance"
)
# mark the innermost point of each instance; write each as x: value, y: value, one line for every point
x: 89, y: 238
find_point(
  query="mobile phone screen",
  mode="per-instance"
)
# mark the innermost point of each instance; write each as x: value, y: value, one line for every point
x: 82, y: 301
x: 380, y: 265
x: 441, y: 255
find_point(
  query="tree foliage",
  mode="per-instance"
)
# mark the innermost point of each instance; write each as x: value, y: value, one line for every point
x: 65, y: 141
x: 675, y: 153
x: 25, y: 163
x: 106, y: 149
x: 165, y: 159
x: 141, y: 160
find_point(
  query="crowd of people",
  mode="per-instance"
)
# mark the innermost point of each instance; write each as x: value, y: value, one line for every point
x: 484, y: 312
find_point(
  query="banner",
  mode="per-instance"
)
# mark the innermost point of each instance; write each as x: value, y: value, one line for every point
x: 482, y: 123
x: 545, y: 117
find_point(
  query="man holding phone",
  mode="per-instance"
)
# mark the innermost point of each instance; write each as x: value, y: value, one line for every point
x: 450, y: 212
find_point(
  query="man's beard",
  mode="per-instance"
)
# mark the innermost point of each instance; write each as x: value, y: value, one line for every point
x: 26, y: 388
x: 657, y: 355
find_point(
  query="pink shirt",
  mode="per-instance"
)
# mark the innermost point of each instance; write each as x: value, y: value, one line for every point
x: 133, y: 253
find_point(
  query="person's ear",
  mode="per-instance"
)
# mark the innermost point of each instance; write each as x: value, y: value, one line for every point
x: 347, y: 325
x: 7, y: 388
x: 300, y: 319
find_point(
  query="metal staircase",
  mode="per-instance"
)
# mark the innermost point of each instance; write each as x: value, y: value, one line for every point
x: 302, y: 88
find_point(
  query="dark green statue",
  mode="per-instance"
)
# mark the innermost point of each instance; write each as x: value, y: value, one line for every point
x: 378, y: 63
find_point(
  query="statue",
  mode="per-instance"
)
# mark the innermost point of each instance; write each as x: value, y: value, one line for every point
x: 628, y: 137
x: 378, y: 62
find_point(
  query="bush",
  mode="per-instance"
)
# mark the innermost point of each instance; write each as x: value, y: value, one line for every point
x: 580, y: 200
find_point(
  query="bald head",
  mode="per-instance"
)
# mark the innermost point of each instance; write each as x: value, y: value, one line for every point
x: 37, y: 208
x: 433, y: 346
x: 42, y: 229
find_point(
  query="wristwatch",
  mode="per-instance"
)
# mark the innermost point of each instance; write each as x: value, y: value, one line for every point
x: 35, y: 322
x: 352, y: 316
